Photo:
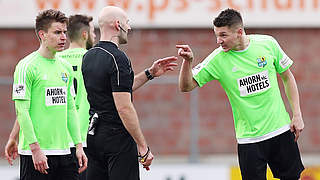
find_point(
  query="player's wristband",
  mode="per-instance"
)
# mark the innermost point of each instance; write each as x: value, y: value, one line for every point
x: 148, y: 74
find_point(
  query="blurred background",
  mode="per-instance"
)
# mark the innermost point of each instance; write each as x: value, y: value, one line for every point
x: 191, y: 134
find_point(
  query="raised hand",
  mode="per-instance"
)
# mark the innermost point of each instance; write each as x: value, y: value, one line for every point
x: 160, y: 66
x: 185, y: 52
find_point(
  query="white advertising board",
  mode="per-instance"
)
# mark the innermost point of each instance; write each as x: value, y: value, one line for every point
x: 171, y: 13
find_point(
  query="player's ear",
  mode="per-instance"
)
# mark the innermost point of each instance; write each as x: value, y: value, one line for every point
x: 240, y: 31
x: 85, y: 35
x: 42, y: 35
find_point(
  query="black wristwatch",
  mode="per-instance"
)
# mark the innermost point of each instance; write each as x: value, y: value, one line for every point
x: 148, y: 74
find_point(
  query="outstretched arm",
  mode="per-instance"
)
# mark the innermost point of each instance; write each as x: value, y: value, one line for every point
x: 158, y: 68
x: 292, y: 93
x: 186, y: 81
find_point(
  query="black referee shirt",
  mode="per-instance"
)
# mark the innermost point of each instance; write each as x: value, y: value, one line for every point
x: 106, y: 69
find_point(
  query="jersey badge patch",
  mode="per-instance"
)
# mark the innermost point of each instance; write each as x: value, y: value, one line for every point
x: 64, y: 77
x: 262, y: 61
x: 19, y: 90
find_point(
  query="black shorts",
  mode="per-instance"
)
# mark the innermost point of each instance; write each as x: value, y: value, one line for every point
x: 62, y: 167
x: 281, y: 153
x: 112, y: 155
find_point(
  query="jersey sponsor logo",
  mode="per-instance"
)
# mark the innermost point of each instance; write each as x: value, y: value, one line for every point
x: 56, y: 96
x: 254, y: 83
x: 262, y: 61
x: 19, y: 90
x: 285, y: 61
x: 64, y: 77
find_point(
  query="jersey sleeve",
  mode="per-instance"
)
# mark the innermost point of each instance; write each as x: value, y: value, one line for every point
x: 121, y: 80
x: 22, y: 81
x: 282, y: 61
x: 23, y: 116
x: 205, y: 71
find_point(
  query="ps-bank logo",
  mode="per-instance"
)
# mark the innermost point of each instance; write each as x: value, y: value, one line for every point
x: 262, y: 62
x: 64, y: 77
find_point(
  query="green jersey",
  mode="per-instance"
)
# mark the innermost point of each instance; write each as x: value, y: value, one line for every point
x: 249, y: 78
x: 74, y: 57
x: 46, y: 84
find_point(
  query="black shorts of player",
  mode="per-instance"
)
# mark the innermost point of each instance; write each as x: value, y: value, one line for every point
x: 281, y: 153
x: 62, y: 167
x: 112, y: 155
x: 83, y: 175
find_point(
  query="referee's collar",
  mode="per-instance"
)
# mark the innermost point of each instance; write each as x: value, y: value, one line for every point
x: 108, y: 43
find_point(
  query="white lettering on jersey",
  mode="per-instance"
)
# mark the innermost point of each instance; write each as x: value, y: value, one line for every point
x: 56, y: 96
x: 19, y: 90
x: 254, y: 83
x: 285, y: 61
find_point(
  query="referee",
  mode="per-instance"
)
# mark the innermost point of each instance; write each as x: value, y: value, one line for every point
x: 114, y: 133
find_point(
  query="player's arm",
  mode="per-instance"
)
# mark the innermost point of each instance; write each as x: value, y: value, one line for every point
x: 292, y: 94
x: 186, y: 81
x: 11, y: 149
x: 23, y: 116
x: 158, y: 68
x: 130, y: 121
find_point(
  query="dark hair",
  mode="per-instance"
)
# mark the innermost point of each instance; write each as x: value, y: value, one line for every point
x: 228, y: 17
x: 46, y: 17
x: 76, y: 24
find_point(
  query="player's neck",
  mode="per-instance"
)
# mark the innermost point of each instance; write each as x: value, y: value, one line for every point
x: 74, y: 45
x: 244, y: 43
x: 46, y: 52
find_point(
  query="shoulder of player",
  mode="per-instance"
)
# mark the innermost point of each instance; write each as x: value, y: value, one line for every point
x: 27, y: 62
x: 214, y: 55
x: 262, y: 38
x: 64, y: 63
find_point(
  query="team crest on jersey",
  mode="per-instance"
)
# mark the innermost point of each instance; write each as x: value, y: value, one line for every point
x: 262, y: 61
x: 64, y: 77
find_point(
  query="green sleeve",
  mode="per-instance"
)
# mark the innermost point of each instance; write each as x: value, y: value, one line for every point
x: 282, y: 61
x: 23, y: 116
x: 22, y: 82
x: 72, y: 116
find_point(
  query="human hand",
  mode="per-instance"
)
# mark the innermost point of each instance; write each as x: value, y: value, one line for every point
x: 82, y: 158
x: 145, y: 157
x: 11, y: 150
x: 39, y: 159
x: 185, y: 52
x: 296, y: 126
x: 160, y: 66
